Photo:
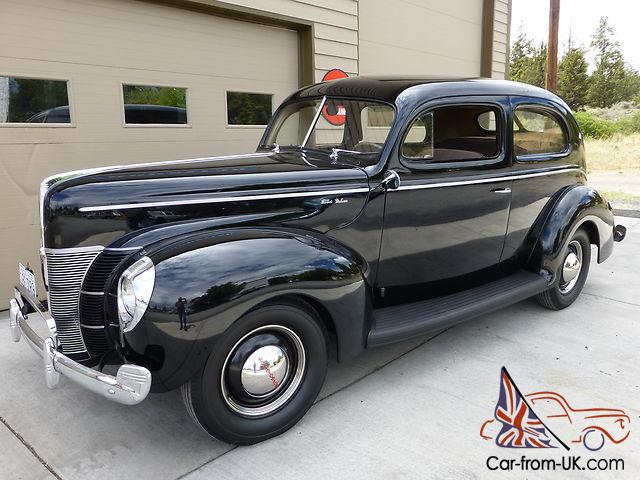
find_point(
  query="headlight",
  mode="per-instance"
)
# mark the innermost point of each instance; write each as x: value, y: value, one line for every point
x: 134, y: 291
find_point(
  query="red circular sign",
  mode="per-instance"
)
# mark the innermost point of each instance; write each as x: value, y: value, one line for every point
x: 336, y: 114
x: 334, y: 74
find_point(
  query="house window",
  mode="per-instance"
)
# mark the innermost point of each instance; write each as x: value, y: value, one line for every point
x: 33, y: 100
x: 153, y: 105
x: 249, y: 108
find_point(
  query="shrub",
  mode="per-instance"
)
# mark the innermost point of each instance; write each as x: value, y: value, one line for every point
x: 595, y: 127
x: 629, y: 124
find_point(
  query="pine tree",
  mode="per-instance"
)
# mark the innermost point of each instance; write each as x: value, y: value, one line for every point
x: 610, y: 81
x: 527, y: 62
x: 573, y: 79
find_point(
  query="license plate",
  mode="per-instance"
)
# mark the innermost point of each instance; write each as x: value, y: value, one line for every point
x: 28, y: 280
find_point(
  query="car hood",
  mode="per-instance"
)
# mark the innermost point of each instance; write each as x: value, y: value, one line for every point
x: 127, y: 206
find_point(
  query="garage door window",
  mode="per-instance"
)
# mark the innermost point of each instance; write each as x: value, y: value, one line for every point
x: 33, y: 101
x: 250, y: 109
x: 154, y: 105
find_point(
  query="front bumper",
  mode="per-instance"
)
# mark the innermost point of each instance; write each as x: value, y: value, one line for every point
x: 130, y: 385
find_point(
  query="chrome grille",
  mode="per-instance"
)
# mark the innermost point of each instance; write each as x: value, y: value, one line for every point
x: 66, y: 269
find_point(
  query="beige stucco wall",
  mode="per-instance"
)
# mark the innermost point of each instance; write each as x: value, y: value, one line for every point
x: 98, y: 45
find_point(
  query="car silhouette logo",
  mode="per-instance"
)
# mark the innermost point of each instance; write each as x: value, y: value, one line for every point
x: 542, y: 419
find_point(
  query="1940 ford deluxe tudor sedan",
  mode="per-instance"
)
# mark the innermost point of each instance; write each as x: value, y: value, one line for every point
x: 374, y: 210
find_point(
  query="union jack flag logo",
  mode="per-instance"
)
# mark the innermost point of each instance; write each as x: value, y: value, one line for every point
x: 521, y: 427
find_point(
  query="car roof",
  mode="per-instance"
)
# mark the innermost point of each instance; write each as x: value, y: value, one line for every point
x: 394, y: 89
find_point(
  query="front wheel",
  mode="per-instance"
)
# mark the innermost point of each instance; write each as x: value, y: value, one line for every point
x: 572, y: 274
x: 263, y: 375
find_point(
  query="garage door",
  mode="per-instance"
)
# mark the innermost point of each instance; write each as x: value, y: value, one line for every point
x: 198, y: 71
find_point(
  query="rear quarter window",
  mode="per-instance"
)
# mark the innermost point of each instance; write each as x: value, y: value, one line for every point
x: 537, y: 131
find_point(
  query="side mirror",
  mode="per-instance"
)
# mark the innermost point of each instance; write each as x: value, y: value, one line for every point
x: 391, y: 180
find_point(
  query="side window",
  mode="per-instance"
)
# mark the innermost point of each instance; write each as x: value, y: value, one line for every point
x: 418, y: 142
x: 537, y: 132
x: 487, y: 121
x: 451, y: 134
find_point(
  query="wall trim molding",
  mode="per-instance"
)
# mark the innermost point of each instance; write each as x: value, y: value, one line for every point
x: 486, y: 49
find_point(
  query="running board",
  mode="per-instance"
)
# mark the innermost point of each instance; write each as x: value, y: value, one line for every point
x: 401, y: 322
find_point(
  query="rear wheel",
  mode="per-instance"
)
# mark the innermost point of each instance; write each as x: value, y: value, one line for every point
x: 263, y: 375
x: 572, y: 274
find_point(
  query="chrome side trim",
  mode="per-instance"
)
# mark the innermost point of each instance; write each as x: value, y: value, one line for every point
x: 488, y: 179
x: 243, y: 198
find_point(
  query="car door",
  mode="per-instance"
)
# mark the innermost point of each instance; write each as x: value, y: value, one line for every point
x: 448, y: 217
x: 547, y: 157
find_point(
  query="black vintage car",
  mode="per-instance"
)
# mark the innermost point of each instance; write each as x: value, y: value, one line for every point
x: 373, y: 211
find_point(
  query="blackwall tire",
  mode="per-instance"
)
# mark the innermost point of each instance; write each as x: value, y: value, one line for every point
x: 565, y: 292
x: 266, y: 397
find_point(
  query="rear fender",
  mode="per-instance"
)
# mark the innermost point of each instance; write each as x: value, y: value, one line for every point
x: 224, y: 274
x: 577, y: 207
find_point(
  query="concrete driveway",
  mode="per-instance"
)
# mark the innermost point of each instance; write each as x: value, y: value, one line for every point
x: 413, y: 410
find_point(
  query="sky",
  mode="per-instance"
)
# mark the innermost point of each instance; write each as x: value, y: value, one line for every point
x: 580, y: 19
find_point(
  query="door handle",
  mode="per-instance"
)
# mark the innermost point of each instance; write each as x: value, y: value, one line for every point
x: 501, y: 190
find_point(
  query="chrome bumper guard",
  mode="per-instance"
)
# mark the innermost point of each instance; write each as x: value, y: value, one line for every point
x: 130, y: 385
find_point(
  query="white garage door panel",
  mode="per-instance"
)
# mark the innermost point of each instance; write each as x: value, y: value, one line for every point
x: 98, y: 45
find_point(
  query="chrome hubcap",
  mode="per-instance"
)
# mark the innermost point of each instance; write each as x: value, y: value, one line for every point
x: 263, y: 371
x: 571, y: 267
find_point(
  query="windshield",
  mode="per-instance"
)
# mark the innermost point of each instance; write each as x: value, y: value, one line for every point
x: 355, y: 129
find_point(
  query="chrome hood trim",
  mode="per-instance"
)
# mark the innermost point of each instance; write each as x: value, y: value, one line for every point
x: 50, y: 181
x: 224, y: 199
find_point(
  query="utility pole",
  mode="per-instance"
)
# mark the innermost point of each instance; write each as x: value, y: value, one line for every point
x: 551, y: 77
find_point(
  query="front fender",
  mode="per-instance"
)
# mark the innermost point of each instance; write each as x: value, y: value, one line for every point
x: 578, y: 206
x: 223, y: 274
